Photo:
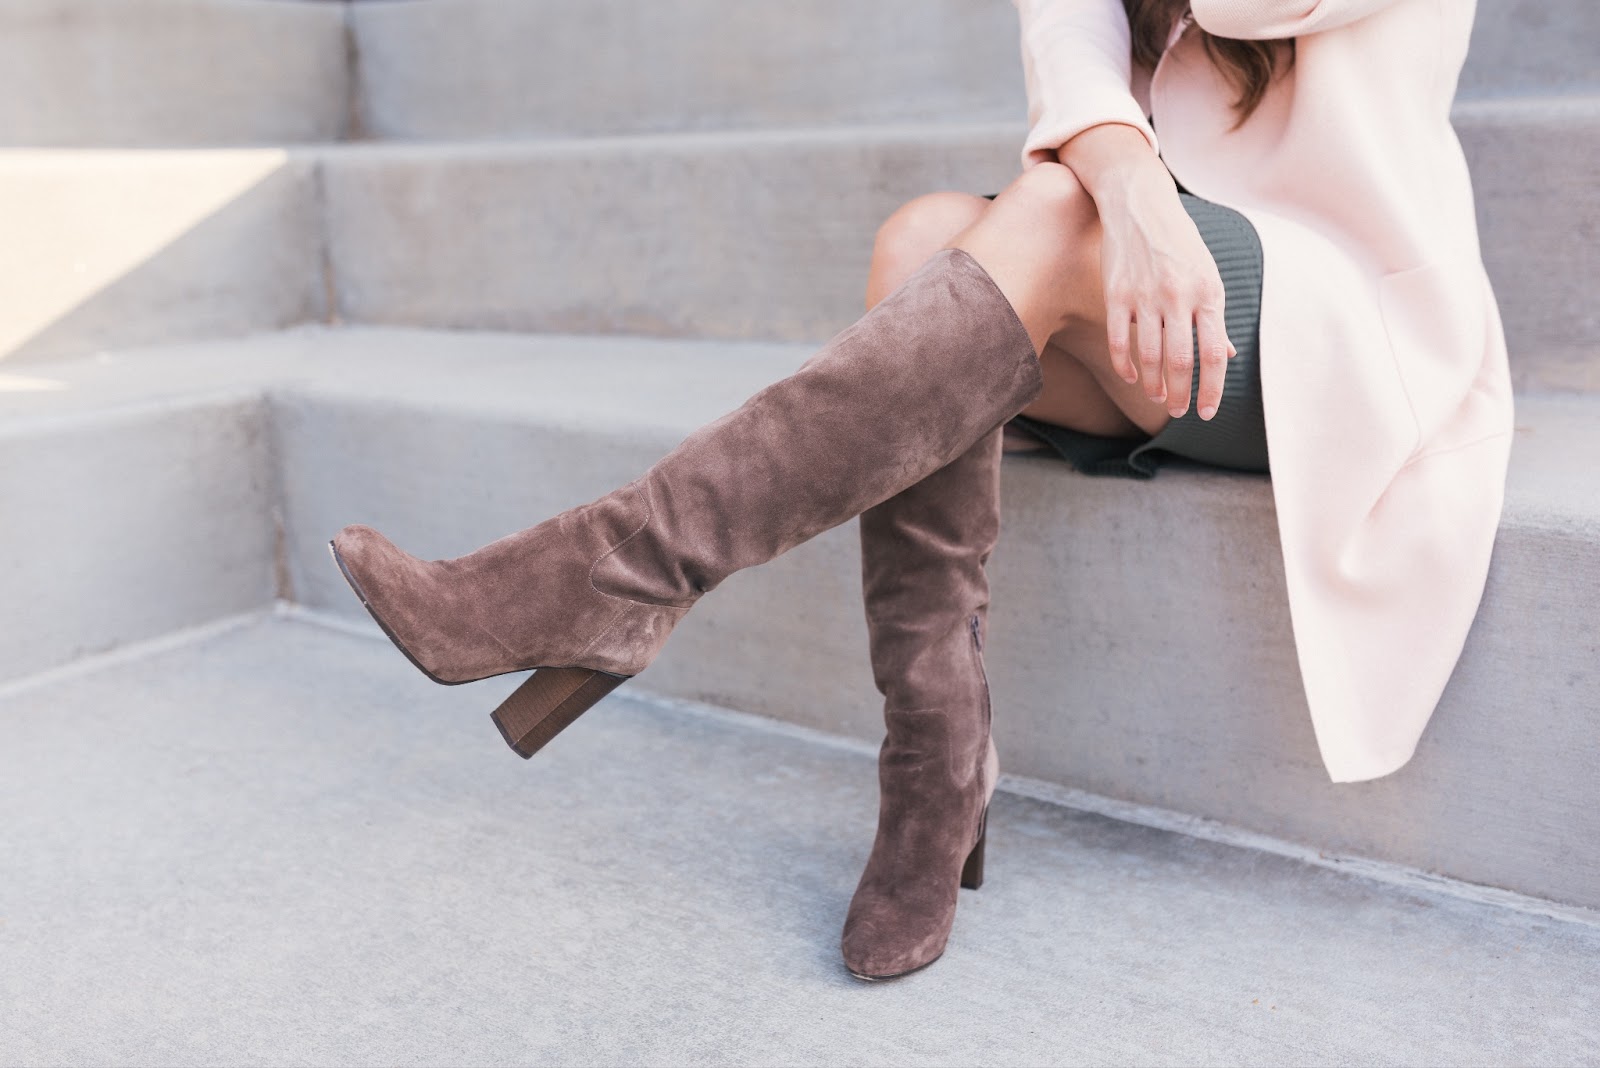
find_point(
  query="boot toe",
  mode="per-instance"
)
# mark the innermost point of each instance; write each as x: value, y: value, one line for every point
x: 372, y: 564
x: 357, y: 543
x: 394, y: 590
x: 874, y: 950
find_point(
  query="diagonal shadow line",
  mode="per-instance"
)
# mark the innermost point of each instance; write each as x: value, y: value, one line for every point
x: 122, y: 248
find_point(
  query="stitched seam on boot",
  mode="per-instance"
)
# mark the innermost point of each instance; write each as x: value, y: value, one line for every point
x: 603, y: 631
x: 492, y: 636
x: 649, y: 513
x: 612, y: 624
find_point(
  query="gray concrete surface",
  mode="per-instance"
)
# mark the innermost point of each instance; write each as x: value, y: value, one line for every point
x: 1533, y: 46
x: 451, y: 69
x: 747, y: 234
x: 446, y: 441
x: 125, y: 523
x: 159, y: 73
x: 1533, y: 164
x: 465, y: 69
x: 115, y: 248
x: 282, y: 845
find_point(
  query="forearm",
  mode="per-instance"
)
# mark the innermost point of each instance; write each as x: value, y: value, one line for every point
x: 1115, y: 164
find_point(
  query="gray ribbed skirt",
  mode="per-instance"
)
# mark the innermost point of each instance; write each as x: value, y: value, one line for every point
x: 1236, y: 437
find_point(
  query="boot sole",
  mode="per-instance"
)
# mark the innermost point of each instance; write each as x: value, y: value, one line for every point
x: 864, y: 977
x: 546, y: 703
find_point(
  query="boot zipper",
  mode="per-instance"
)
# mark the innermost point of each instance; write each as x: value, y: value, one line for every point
x: 988, y: 711
x: 977, y: 650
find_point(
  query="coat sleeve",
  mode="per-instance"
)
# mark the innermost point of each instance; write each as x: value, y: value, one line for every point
x: 1259, y: 20
x: 1077, y: 65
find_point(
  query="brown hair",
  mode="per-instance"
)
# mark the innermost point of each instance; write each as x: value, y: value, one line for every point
x: 1249, y: 65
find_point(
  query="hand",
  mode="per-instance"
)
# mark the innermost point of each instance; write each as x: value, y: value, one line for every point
x: 1160, y: 278
x: 1157, y: 272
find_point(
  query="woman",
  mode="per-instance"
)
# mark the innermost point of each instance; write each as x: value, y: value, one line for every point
x: 1087, y: 300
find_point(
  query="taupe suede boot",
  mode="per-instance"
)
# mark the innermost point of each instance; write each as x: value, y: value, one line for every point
x: 923, y: 553
x: 589, y: 596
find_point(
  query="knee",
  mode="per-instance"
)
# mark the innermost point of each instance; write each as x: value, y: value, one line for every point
x: 1047, y: 219
x: 1052, y: 192
x: 922, y: 225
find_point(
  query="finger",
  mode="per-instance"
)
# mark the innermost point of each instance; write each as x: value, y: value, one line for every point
x: 1148, y: 327
x: 1215, y: 351
x: 1119, y: 320
x: 1179, y: 369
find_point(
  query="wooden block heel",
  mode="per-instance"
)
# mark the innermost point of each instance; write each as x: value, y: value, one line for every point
x: 547, y: 702
x: 972, y: 870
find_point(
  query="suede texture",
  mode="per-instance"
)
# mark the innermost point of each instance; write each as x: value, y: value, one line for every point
x: 936, y: 365
x: 525, y: 600
x: 926, y: 595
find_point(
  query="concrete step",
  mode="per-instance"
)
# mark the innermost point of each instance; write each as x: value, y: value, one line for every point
x: 126, y: 518
x: 448, y: 440
x: 1534, y: 162
x: 116, y: 248
x: 744, y: 234
x: 1533, y: 46
x: 664, y: 885
x: 451, y: 69
x: 761, y: 233
x: 125, y: 248
x: 454, y: 69
x: 172, y: 72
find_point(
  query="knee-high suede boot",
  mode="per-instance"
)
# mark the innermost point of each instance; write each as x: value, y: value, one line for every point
x: 923, y: 553
x: 589, y: 596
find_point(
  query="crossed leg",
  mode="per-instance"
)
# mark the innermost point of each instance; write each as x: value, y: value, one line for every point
x: 1040, y: 241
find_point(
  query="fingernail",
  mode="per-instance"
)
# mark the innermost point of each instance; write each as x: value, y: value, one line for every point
x: 1208, y: 411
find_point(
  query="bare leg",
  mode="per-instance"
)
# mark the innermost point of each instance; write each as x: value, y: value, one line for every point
x: 1072, y: 396
x: 1040, y: 241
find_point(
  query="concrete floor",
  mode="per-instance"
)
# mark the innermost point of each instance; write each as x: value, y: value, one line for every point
x: 281, y: 845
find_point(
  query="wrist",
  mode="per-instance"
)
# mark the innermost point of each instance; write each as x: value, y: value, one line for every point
x: 1115, y: 163
x: 1144, y: 182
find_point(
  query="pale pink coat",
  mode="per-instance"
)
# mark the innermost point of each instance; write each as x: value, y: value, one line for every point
x: 1383, y: 361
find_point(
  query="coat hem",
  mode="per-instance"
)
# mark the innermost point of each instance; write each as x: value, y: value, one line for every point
x: 1365, y: 768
